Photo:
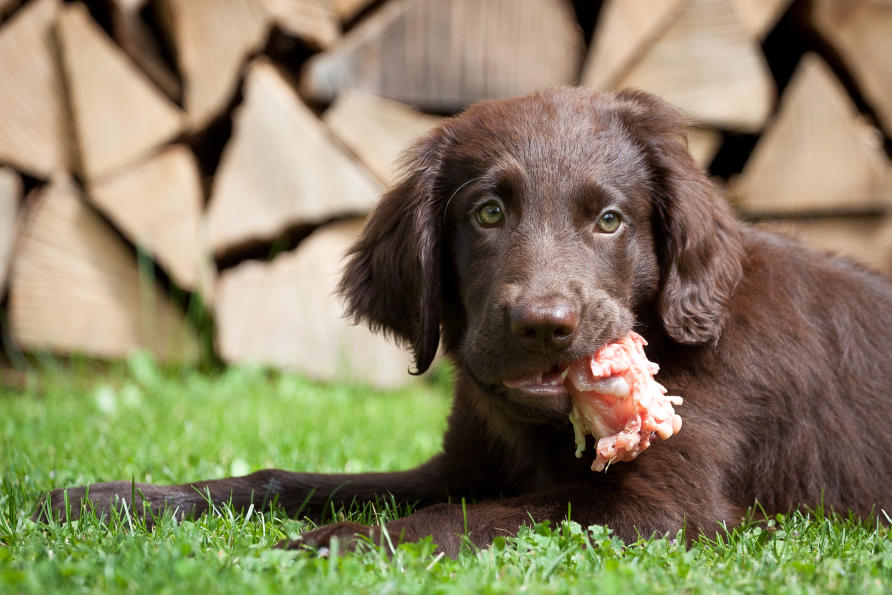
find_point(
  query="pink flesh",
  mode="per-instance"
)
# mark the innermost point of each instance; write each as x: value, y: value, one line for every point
x: 624, y: 424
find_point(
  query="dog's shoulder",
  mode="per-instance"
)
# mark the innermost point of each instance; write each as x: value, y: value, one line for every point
x: 783, y: 261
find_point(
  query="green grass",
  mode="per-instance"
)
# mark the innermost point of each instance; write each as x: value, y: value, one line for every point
x: 137, y: 421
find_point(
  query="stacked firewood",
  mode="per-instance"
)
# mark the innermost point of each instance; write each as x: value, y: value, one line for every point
x: 163, y: 158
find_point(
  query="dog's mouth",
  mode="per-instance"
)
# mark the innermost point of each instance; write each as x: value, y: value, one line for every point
x: 549, y: 389
x: 540, y: 382
x: 540, y: 390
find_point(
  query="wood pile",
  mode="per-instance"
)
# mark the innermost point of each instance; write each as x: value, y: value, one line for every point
x: 161, y: 158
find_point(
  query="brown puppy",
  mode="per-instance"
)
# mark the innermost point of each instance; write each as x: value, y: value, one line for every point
x: 529, y: 232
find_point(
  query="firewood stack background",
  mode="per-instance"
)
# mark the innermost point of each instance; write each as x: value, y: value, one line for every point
x: 171, y: 169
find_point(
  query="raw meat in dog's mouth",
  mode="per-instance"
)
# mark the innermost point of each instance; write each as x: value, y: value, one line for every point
x: 616, y: 399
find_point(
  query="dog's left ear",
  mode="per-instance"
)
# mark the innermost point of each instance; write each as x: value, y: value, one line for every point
x: 392, y: 277
x: 698, y: 238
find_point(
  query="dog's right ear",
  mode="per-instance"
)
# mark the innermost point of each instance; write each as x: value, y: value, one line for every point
x: 392, y: 278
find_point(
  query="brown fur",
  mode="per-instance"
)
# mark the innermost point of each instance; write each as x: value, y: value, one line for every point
x: 783, y: 355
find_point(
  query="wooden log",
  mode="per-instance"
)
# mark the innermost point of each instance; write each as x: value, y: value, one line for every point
x: 348, y: 9
x: 818, y: 155
x: 703, y: 144
x: 313, y: 21
x: 377, y: 130
x: 758, y: 17
x: 285, y: 314
x: 213, y: 38
x: 33, y: 132
x: 10, y: 196
x: 76, y: 287
x: 7, y: 6
x: 861, y: 31
x: 129, y: 5
x: 280, y: 168
x: 119, y: 115
x: 624, y: 31
x: 705, y: 64
x: 157, y: 204
x: 141, y: 46
x: 867, y: 240
x: 445, y: 55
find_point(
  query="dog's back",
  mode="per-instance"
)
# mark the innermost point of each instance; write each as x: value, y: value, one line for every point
x: 808, y: 359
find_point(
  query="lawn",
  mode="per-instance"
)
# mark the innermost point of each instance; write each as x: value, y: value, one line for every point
x: 84, y: 423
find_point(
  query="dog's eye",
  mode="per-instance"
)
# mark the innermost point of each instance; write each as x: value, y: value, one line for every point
x: 609, y: 222
x: 490, y: 214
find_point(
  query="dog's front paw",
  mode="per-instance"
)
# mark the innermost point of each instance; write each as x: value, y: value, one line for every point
x: 68, y: 504
x: 347, y: 534
x: 61, y: 505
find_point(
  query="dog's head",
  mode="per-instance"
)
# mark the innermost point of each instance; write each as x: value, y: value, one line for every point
x: 532, y: 231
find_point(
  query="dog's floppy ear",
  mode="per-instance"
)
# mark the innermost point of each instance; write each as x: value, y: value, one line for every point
x: 698, y: 239
x: 391, y: 280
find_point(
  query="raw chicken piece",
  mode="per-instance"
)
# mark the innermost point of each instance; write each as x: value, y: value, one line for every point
x: 616, y: 400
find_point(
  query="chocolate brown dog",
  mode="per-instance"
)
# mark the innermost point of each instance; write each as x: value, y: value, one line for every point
x: 529, y: 232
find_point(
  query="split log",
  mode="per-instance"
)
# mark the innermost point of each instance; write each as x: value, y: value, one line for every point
x: 703, y: 144
x: 213, y: 38
x: 77, y: 288
x: 818, y: 155
x: 758, y: 17
x: 310, y: 20
x: 861, y: 31
x: 867, y: 240
x: 7, y: 6
x: 624, y: 31
x: 280, y: 168
x: 444, y: 55
x: 705, y: 64
x: 10, y: 196
x: 157, y: 204
x: 134, y: 37
x: 33, y: 131
x: 119, y: 115
x: 348, y: 9
x: 129, y: 5
x: 377, y: 130
x: 285, y: 314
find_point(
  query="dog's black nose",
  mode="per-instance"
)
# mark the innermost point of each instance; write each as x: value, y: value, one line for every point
x: 547, y: 325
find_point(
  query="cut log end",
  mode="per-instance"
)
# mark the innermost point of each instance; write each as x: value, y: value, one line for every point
x: 407, y: 51
x: 267, y: 182
x: 119, y: 115
x: 76, y: 288
x: 285, y: 313
x: 33, y: 121
x: 377, y: 130
x: 818, y: 155
x: 706, y: 65
x: 157, y: 203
